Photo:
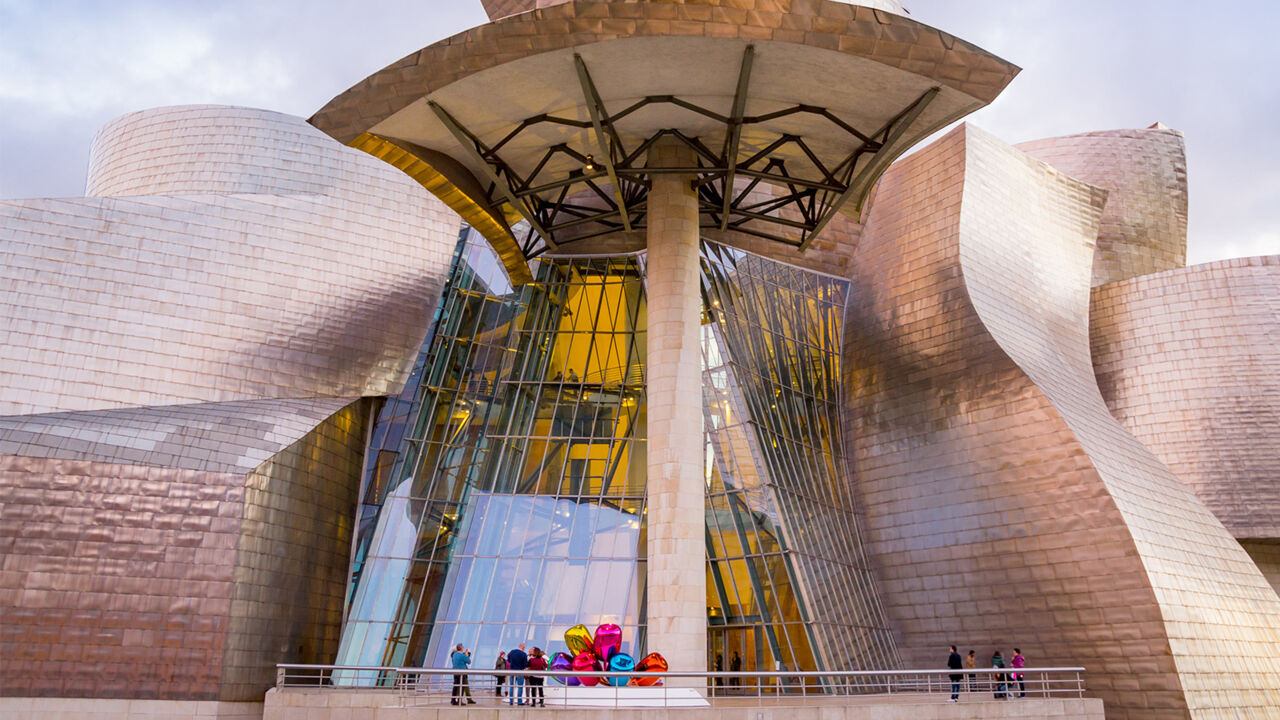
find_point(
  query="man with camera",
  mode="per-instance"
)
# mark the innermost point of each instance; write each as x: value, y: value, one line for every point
x: 460, y: 659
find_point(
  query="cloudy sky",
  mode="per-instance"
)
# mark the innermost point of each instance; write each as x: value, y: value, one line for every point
x: 68, y: 66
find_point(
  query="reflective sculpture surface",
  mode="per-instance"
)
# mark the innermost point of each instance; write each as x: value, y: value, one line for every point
x: 562, y: 662
x: 608, y: 641
x: 579, y: 640
x: 620, y: 662
x: 653, y: 662
x: 587, y: 661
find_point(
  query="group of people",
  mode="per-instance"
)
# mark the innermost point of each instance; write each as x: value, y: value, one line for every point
x: 520, y: 687
x: 1001, y: 684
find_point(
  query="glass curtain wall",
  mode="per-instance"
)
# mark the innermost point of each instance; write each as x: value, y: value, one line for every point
x: 392, y: 415
x: 789, y: 586
x: 516, y: 503
x: 505, y: 503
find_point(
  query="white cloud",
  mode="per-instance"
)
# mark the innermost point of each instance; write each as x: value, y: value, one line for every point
x: 68, y: 67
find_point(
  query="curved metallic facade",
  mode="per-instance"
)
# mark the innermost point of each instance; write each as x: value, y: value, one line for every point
x: 266, y: 399
x: 181, y: 428
x: 215, y: 295
x: 1004, y: 504
x: 219, y: 150
x: 1189, y: 362
x: 1143, y: 228
x: 175, y: 573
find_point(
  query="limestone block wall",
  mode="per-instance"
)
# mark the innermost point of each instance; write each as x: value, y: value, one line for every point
x: 1188, y: 361
x: 1144, y: 224
x: 181, y: 578
x: 1004, y: 505
x: 249, y: 284
x: 676, y: 588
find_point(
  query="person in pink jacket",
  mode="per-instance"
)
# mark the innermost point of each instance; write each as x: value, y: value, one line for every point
x: 1018, y: 663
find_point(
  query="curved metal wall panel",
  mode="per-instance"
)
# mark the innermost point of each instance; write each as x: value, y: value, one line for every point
x: 1005, y: 506
x: 292, y: 555
x: 165, y: 299
x: 1144, y: 223
x: 1026, y: 272
x: 232, y: 437
x: 129, y: 579
x: 219, y: 150
x: 1189, y: 362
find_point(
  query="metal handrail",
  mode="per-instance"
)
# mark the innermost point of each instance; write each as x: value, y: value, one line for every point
x: 433, y: 685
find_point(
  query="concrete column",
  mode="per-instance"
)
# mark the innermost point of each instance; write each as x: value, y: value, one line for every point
x: 677, y: 589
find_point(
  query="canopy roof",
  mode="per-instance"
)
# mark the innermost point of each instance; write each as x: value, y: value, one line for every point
x: 543, y: 118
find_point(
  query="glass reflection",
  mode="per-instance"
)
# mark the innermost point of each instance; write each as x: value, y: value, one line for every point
x: 788, y: 584
x: 517, y: 503
x: 504, y: 494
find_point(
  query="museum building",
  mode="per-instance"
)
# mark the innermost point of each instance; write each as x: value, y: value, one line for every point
x: 634, y: 312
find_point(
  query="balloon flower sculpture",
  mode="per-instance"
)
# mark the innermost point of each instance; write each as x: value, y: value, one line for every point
x: 603, y: 652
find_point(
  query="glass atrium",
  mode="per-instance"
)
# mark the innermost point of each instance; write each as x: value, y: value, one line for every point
x: 503, y: 499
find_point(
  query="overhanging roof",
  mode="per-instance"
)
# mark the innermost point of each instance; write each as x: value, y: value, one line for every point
x: 545, y: 116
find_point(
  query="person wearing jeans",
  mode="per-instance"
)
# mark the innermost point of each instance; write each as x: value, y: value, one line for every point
x: 517, y: 660
x: 954, y: 663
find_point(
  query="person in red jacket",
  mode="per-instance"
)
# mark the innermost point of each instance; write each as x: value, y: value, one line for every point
x: 536, y: 662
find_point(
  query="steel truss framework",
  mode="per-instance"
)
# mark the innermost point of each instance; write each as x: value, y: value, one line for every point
x: 578, y: 206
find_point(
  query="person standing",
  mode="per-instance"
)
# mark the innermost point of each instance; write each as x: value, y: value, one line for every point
x: 954, y: 663
x: 517, y: 660
x: 971, y: 662
x: 735, y: 665
x: 536, y: 662
x: 500, y: 664
x: 997, y: 661
x: 719, y: 669
x: 1018, y: 663
x: 460, y: 659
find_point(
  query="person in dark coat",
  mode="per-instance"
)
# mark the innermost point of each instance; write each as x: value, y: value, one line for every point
x: 735, y: 665
x: 517, y: 660
x: 997, y: 661
x: 499, y: 664
x: 955, y: 663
